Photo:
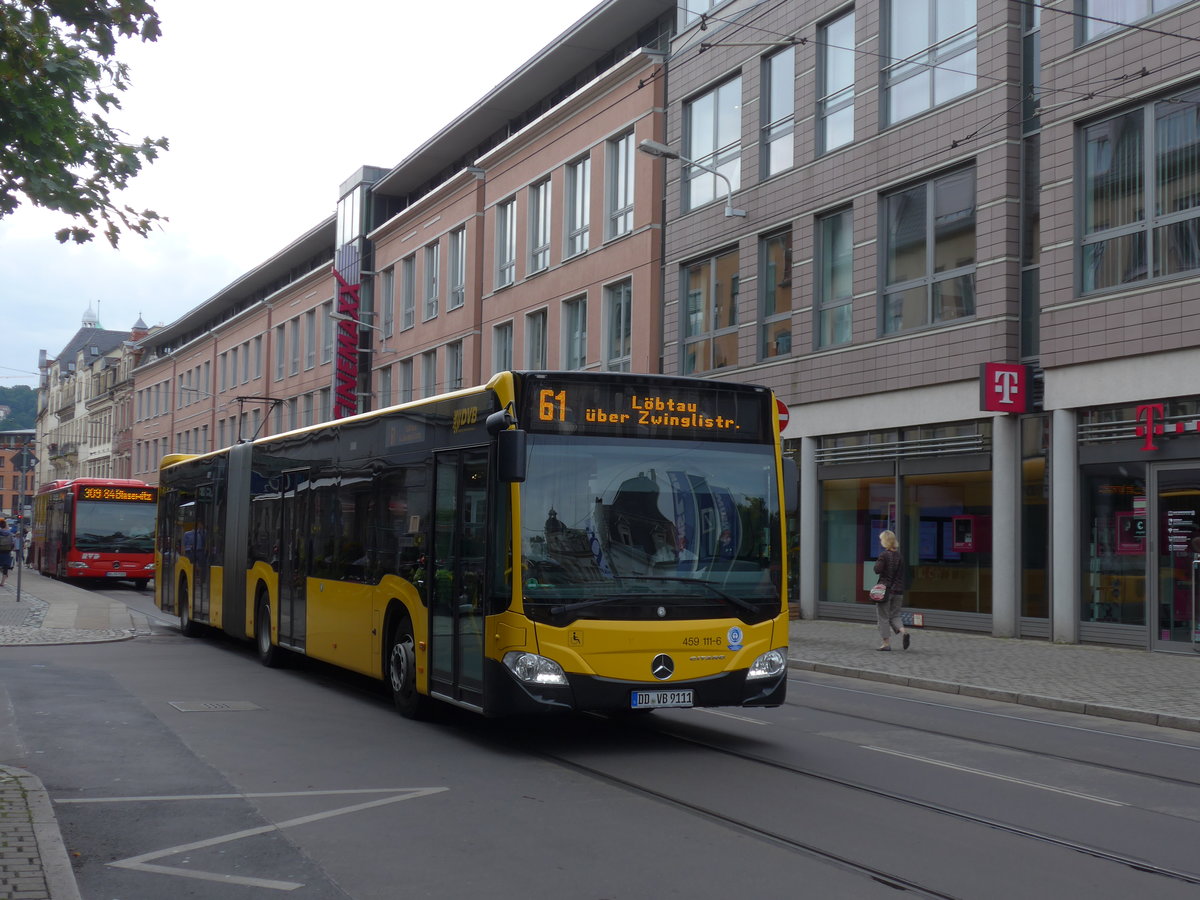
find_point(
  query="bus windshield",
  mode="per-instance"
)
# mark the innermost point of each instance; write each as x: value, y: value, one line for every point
x: 114, y: 527
x: 635, y: 528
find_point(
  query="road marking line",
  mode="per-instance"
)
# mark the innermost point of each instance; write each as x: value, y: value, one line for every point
x: 999, y: 777
x: 144, y: 862
x: 727, y: 715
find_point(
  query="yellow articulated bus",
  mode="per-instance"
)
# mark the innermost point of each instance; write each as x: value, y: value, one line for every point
x: 551, y: 541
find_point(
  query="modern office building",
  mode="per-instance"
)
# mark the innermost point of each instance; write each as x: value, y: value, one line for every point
x: 964, y: 250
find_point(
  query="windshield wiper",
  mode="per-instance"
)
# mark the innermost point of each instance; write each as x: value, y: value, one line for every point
x: 744, y: 605
x: 727, y: 597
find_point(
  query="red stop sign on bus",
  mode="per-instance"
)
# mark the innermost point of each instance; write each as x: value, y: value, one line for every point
x: 783, y: 413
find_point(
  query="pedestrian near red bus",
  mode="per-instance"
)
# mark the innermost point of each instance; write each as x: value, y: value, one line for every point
x: 892, y: 571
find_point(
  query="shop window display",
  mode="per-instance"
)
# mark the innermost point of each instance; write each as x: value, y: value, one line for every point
x: 1113, y: 539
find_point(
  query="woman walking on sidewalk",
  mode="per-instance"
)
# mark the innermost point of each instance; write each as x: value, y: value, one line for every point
x: 892, y: 571
x: 7, y: 543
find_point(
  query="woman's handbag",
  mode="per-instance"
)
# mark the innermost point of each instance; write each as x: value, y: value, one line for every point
x: 879, y: 593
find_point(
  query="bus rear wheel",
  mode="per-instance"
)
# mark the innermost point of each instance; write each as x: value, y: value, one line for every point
x: 270, y: 655
x: 187, y: 626
x: 402, y: 673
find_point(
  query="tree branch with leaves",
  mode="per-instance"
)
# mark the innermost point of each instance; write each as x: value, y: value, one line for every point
x: 59, y: 80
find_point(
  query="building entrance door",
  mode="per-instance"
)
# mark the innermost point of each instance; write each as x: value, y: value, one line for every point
x: 1175, y: 557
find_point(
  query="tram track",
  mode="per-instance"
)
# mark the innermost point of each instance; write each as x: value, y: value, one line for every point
x: 909, y: 725
x: 825, y: 854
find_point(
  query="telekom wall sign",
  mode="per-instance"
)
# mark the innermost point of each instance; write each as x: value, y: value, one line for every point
x: 1004, y: 387
x: 345, y: 378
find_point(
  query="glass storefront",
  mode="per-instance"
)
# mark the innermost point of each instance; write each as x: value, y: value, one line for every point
x: 947, y: 540
x: 944, y: 525
x: 853, y: 513
x: 1114, y: 543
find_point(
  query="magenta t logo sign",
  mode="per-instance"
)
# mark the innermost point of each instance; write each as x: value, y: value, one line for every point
x: 1004, y: 387
x: 1149, y: 416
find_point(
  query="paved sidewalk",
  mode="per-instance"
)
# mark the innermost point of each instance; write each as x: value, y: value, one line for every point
x: 1133, y: 685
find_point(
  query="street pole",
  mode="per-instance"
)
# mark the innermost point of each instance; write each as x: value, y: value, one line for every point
x: 25, y: 461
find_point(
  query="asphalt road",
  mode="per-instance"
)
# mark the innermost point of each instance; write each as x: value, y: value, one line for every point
x: 181, y: 768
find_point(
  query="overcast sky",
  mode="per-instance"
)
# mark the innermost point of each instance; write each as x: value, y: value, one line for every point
x: 269, y: 106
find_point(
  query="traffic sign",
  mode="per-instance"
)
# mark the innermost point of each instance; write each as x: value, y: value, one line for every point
x: 783, y: 414
x: 24, y: 461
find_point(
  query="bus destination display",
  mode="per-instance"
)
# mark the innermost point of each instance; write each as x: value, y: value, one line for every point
x: 606, y: 409
x: 136, y: 495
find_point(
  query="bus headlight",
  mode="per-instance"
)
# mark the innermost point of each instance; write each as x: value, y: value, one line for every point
x: 768, y: 665
x: 534, y: 669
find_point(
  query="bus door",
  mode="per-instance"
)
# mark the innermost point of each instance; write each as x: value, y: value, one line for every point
x: 199, y: 551
x: 164, y: 573
x: 295, y: 540
x: 458, y: 567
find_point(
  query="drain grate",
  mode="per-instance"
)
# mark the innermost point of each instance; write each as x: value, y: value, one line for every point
x: 214, y: 705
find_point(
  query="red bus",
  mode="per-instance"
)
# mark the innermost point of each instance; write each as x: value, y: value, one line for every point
x: 95, y: 528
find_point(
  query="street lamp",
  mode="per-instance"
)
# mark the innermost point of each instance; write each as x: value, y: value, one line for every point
x: 662, y: 151
x: 342, y: 317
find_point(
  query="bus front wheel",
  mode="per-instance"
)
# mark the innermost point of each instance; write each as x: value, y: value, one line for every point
x: 187, y: 626
x: 270, y: 655
x: 402, y: 673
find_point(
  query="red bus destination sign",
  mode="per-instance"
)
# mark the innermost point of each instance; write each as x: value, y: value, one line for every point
x: 136, y: 495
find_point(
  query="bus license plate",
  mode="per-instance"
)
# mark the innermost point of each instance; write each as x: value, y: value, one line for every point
x: 660, y: 699
x: 114, y: 574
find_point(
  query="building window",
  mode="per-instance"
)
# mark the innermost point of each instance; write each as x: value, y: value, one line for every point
x: 691, y: 10
x: 432, y: 262
x: 294, y: 328
x: 578, y: 209
x: 932, y: 55
x: 258, y: 359
x: 929, y: 254
x: 834, y: 288
x: 404, y: 381
x: 778, y: 111
x: 279, y: 352
x: 1141, y: 194
x: 458, y: 267
x: 619, y: 198
x: 539, y: 226
x: 618, y: 326
x: 429, y: 373
x: 535, y: 339
x: 454, y: 366
x: 222, y: 368
x: 775, y: 294
x: 575, y: 333
x: 310, y: 345
x: 502, y: 346
x: 408, y: 292
x: 713, y: 137
x: 709, y: 317
x: 1103, y: 17
x: 327, y: 331
x: 385, y: 387
x: 506, y: 243
x: 387, y: 302
x: 835, y: 108
x: 326, y: 398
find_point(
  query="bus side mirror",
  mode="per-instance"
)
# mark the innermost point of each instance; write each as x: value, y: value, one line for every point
x: 510, y: 455
x: 791, y: 486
